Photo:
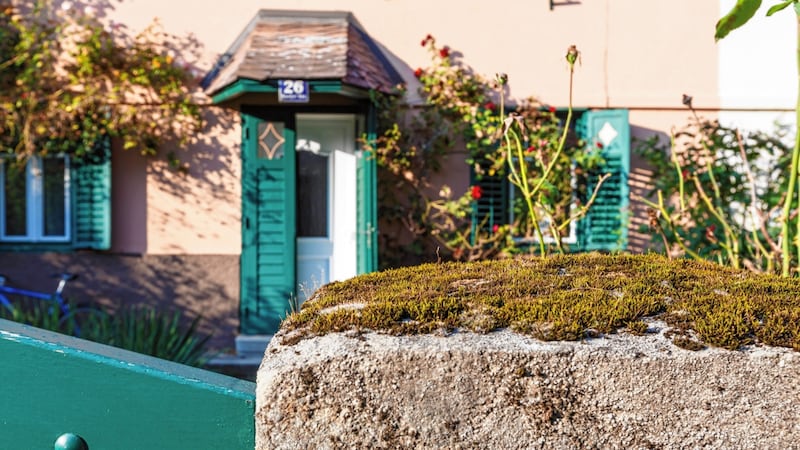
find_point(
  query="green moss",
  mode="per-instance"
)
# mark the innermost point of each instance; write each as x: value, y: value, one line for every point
x: 564, y: 298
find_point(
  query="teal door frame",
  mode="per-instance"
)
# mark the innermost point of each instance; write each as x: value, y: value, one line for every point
x: 269, y: 234
x: 367, y: 201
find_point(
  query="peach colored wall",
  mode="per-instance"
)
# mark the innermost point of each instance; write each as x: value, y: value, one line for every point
x: 198, y: 212
x: 636, y: 54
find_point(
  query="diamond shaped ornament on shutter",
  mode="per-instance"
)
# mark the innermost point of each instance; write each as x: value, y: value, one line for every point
x: 270, y: 141
x: 607, y: 134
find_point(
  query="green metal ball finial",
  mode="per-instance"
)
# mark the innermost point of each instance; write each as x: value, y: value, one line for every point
x: 69, y: 441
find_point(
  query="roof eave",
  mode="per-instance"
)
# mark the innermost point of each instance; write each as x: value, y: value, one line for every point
x: 240, y: 88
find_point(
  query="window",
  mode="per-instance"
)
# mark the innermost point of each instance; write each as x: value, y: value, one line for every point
x: 57, y: 202
x: 35, y: 200
x: 605, y: 225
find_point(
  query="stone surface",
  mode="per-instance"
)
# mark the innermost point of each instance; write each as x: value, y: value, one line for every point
x: 506, y: 391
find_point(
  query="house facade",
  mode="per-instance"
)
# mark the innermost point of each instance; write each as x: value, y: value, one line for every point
x: 278, y: 197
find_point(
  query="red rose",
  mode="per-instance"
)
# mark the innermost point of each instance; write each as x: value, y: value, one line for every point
x: 489, y: 105
x: 418, y: 72
x: 476, y: 192
x: 530, y: 149
x: 552, y: 109
x: 444, y: 52
x: 598, y: 144
x: 495, y: 228
x: 710, y: 233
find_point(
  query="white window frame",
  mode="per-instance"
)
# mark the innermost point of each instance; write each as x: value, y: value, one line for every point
x: 34, y: 187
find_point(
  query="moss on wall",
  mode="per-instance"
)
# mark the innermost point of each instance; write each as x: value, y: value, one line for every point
x: 568, y: 297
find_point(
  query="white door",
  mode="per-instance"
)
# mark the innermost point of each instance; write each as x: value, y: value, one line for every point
x: 326, y: 200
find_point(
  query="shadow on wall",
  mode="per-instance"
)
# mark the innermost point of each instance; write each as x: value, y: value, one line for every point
x: 197, y: 208
x: 193, y: 209
x: 204, y: 285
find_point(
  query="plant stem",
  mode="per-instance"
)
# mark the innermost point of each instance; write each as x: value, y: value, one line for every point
x: 562, y: 141
x: 786, y: 237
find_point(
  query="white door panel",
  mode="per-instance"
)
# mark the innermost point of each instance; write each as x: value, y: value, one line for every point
x: 322, y: 259
x: 343, y: 259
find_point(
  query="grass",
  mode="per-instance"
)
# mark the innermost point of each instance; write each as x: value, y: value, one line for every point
x: 569, y: 297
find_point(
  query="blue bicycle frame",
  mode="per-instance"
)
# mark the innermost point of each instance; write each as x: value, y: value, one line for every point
x: 55, y: 297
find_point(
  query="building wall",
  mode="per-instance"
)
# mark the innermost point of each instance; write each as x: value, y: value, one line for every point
x: 206, y: 285
x: 174, y: 233
x: 626, y: 62
x: 758, y: 70
x: 198, y: 212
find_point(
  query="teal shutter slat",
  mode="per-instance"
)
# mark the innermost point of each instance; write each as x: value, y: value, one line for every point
x: 605, y: 226
x: 367, y: 205
x: 90, y: 178
x: 492, y: 208
x: 268, y: 261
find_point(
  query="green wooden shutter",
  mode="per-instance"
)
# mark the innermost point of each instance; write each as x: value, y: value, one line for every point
x: 268, y: 261
x: 367, y: 205
x: 492, y: 208
x: 90, y: 177
x: 605, y: 227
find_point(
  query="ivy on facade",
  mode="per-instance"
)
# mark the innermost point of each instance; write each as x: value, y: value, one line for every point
x: 69, y: 80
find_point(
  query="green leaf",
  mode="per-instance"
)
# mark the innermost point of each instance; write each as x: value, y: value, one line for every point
x: 779, y: 6
x: 736, y: 17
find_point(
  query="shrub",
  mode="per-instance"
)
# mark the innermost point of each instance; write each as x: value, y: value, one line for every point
x: 141, y: 329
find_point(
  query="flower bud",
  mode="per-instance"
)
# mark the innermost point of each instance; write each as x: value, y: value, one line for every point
x: 501, y: 78
x: 572, y: 55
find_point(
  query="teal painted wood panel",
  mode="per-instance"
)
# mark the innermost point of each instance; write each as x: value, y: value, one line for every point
x: 115, y: 399
x: 367, y: 204
x: 91, y: 212
x: 268, y: 263
x: 605, y: 227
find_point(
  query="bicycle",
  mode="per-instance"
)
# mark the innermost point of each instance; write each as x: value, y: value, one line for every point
x: 64, y: 317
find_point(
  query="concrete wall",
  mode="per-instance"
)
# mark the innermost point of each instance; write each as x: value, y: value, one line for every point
x: 503, y: 390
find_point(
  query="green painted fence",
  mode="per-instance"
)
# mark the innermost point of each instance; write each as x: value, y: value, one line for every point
x: 114, y: 399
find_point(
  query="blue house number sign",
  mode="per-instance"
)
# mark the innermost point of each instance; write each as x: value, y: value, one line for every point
x: 293, y: 91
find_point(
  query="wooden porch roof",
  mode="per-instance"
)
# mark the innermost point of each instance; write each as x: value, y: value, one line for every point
x: 308, y: 45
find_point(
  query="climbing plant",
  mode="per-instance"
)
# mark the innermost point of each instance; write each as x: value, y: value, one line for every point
x: 740, y: 14
x: 728, y: 187
x: 67, y: 80
x: 463, y: 116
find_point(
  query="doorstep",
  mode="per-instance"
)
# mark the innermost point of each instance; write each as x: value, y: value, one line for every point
x: 244, y: 364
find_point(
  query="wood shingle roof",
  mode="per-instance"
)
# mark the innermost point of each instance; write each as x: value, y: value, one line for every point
x: 310, y: 45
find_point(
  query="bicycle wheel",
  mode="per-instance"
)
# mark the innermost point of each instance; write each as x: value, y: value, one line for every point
x: 78, y: 319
